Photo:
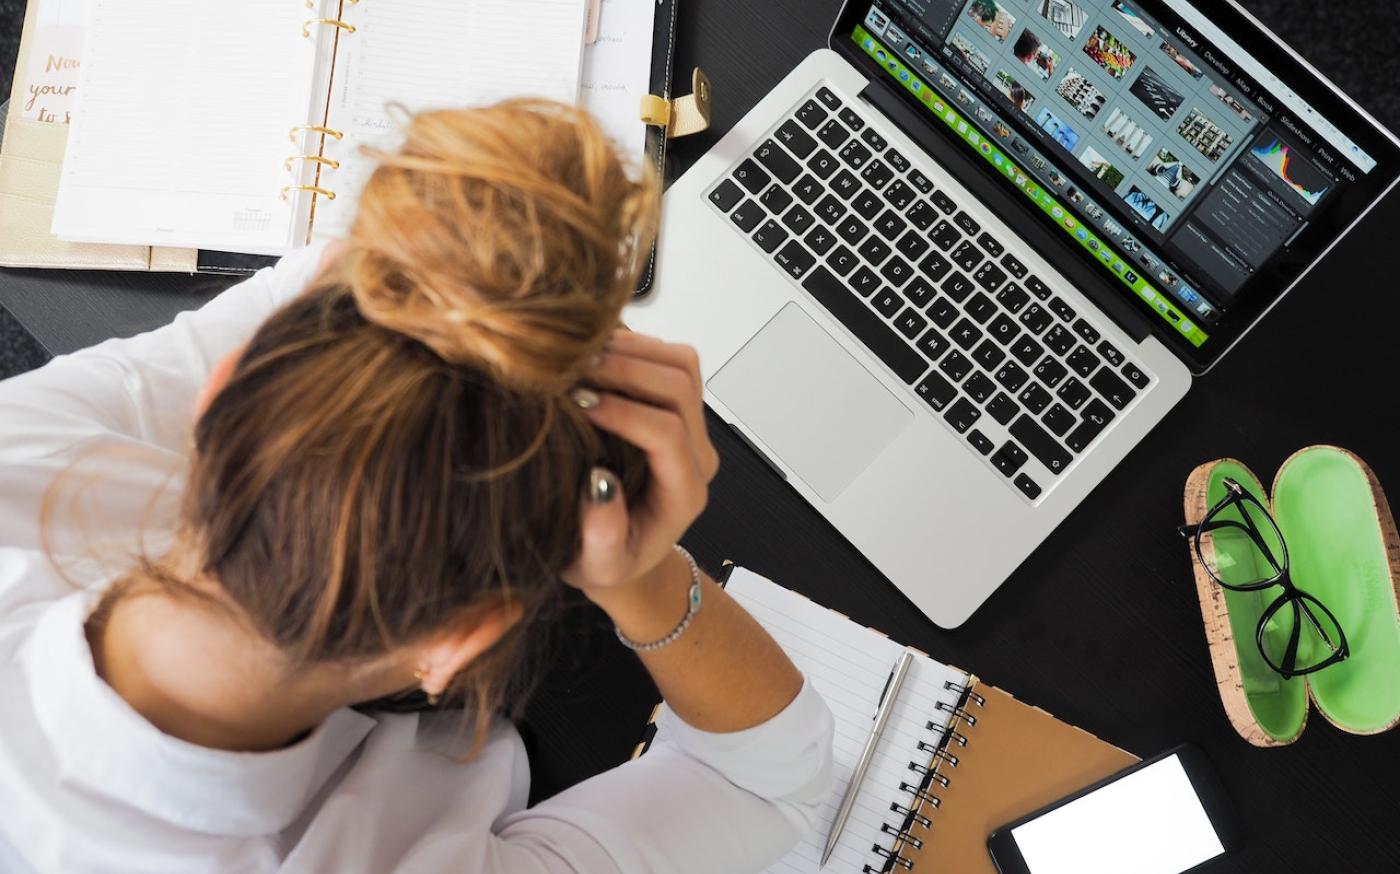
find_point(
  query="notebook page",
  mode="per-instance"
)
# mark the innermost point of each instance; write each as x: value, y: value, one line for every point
x: 180, y: 133
x: 849, y: 664
x: 437, y: 54
x: 617, y: 72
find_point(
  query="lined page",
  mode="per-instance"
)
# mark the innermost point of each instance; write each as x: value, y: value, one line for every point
x: 180, y: 132
x: 437, y: 54
x: 849, y: 664
x: 617, y: 72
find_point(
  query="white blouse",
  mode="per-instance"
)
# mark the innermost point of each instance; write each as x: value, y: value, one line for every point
x: 86, y: 784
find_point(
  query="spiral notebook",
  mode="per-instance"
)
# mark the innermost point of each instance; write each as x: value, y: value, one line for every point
x: 958, y: 757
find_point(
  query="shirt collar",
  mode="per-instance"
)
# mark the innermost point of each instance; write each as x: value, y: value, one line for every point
x: 102, y: 745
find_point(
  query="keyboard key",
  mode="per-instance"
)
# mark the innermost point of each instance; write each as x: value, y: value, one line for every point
x: 1003, y: 329
x: 990, y: 245
x: 1111, y: 354
x: 967, y: 256
x: 726, y: 194
x: 1059, y: 420
x: 1135, y: 375
x: 899, y: 195
x: 897, y: 271
x: 752, y: 176
x: 886, y: 302
x: 1118, y: 393
x: 1002, y: 408
x: 1087, y: 332
x: 989, y: 276
x: 944, y: 235
x: 778, y: 162
x: 851, y: 120
x: 851, y: 230
x: 833, y: 134
x: 874, y: 251
x: 845, y: 185
x: 820, y: 240
x: 864, y: 282
x: 943, y: 311
x: 912, y: 245
x: 979, y: 441
x: 770, y: 236
x: 831, y: 101
x: 1009, y: 458
x: 957, y: 286
x: 933, y: 344
x: 1050, y: 372
x: 967, y: 223
x: 1013, y: 297
x: 831, y: 209
x: 811, y: 114
x: 747, y: 216
x: 989, y: 355
x: 962, y: 415
x: 1074, y: 393
x: 943, y: 202
x: 920, y: 292
x: 966, y: 334
x: 935, y: 266
x: 1012, y: 377
x: 1037, y: 288
x: 855, y: 155
x: 956, y: 365
x: 795, y: 260
x: 1062, y: 309
x: 808, y: 189
x: 1035, y: 398
x: 1036, y: 319
x: 867, y: 204
x: 842, y: 260
x: 1046, y: 449
x: 823, y: 164
x: 1095, y: 418
x: 1026, y: 350
x: 874, y: 140
x: 775, y: 199
x: 920, y: 181
x: 870, y: 329
x: 979, y: 387
x: 890, y: 225
x: 897, y: 161
x: 981, y: 308
x: 1083, y: 361
x: 1027, y: 486
x: 1059, y: 339
x: 936, y: 391
x: 799, y: 219
x: 1014, y: 266
x: 795, y: 138
x: 922, y: 216
x: 877, y: 174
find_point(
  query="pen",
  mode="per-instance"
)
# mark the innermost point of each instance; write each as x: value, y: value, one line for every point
x: 882, y: 716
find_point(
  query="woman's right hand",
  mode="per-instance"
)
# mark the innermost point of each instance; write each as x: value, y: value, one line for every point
x: 650, y: 394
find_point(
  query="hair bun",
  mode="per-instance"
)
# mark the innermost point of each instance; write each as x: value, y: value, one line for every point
x: 506, y: 237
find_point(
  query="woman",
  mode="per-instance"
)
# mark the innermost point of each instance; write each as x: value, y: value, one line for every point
x: 400, y: 445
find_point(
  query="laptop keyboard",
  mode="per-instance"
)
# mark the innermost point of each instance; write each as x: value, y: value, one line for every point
x: 1026, y: 381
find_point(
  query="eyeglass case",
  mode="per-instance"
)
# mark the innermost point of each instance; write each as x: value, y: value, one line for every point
x: 1344, y: 550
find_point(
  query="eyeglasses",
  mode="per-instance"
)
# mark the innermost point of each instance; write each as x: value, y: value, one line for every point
x: 1240, y: 546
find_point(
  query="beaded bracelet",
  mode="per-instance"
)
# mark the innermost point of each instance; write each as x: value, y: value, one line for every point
x: 693, y: 601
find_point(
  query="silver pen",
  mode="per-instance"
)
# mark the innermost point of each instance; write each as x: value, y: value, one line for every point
x: 882, y: 716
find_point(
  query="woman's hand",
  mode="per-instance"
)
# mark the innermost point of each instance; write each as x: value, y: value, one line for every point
x: 651, y: 395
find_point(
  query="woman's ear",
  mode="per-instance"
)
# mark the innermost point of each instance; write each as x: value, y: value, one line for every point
x: 447, y: 654
x: 218, y: 378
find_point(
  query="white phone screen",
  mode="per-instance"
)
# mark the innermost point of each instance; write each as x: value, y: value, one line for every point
x: 1149, y: 822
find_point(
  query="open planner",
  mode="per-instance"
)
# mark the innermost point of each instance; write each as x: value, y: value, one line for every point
x: 958, y: 758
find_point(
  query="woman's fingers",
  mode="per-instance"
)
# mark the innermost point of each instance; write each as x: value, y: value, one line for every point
x: 605, y: 554
x: 678, y: 478
x: 653, y: 349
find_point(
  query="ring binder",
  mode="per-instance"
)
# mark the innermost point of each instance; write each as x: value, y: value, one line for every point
x: 972, y: 696
x: 316, y: 159
x: 892, y: 856
x: 315, y: 128
x: 314, y: 189
x: 333, y: 22
x: 902, y: 835
x: 909, y: 812
x: 921, y: 794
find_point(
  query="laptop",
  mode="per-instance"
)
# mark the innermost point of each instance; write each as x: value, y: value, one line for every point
x: 956, y: 265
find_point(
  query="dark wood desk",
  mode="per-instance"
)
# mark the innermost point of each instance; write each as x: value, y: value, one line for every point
x: 1100, y: 625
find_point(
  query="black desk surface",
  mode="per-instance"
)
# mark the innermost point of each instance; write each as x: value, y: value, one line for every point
x: 1100, y: 626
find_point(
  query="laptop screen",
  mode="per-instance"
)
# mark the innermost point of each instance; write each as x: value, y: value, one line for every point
x: 1197, y: 179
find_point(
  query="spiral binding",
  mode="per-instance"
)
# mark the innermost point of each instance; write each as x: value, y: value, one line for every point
x: 921, y: 790
x: 310, y: 156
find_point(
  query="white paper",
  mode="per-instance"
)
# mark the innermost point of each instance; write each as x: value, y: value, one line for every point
x: 48, y: 86
x: 617, y: 72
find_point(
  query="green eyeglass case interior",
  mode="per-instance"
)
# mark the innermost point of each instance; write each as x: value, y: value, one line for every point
x: 1344, y: 551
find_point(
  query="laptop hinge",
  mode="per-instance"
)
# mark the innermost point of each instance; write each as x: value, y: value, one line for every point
x: 1055, y: 248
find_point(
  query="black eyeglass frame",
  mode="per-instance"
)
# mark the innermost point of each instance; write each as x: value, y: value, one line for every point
x: 1291, y: 595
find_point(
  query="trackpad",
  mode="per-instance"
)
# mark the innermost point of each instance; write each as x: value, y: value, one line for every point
x: 814, y: 405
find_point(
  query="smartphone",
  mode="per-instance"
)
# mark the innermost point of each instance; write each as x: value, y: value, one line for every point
x: 1167, y: 815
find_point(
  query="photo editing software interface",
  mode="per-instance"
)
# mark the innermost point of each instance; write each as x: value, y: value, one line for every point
x: 1179, y: 161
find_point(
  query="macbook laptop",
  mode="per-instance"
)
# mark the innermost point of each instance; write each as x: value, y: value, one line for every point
x: 954, y: 267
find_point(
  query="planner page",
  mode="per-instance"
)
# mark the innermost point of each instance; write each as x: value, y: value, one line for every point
x: 180, y: 133
x: 849, y: 664
x: 416, y: 55
x: 617, y: 72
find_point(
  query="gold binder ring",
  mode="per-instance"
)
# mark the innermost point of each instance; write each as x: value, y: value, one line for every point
x: 314, y: 128
x: 314, y: 189
x: 333, y: 22
x: 315, y: 159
